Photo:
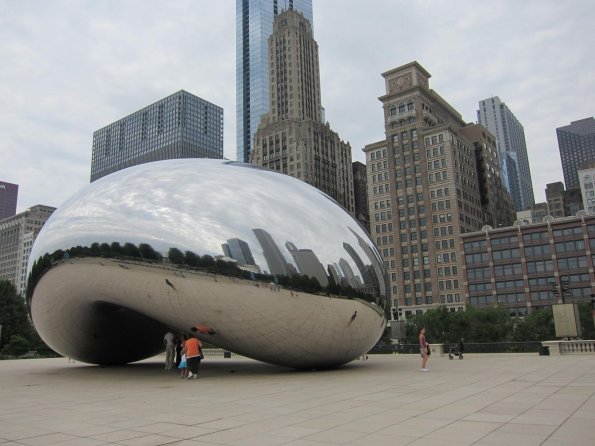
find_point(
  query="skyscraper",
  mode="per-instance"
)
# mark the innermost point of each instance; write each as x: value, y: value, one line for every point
x: 254, y: 25
x: 494, y: 115
x: 577, y: 146
x: 276, y: 262
x: 424, y: 190
x: 8, y: 199
x: 307, y: 263
x: 496, y: 202
x: 179, y: 126
x: 292, y: 138
x: 238, y: 250
x: 360, y: 194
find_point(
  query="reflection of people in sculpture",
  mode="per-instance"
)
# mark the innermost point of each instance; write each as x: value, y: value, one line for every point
x: 353, y: 316
x: 170, y: 284
x: 203, y: 330
x: 170, y: 349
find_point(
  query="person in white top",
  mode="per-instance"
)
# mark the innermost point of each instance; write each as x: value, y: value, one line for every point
x: 169, y: 340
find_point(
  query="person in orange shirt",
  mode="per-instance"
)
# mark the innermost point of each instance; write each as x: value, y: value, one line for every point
x: 193, y: 349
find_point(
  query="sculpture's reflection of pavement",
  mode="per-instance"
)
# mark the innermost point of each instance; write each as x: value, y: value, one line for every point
x: 508, y: 399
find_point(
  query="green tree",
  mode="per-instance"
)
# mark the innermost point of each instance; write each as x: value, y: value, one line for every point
x: 492, y: 324
x: 175, y: 256
x: 116, y: 248
x: 191, y: 259
x: 13, y: 314
x: 17, y: 346
x: 536, y: 326
x: 130, y: 250
x: 147, y: 252
x: 95, y: 249
x: 206, y: 261
x: 586, y: 317
x: 105, y: 250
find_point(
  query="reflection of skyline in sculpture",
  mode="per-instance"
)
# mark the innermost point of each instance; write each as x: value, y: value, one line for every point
x: 276, y: 262
x: 238, y: 250
x: 333, y: 271
x: 375, y: 263
x: 367, y: 273
x: 351, y: 279
x: 307, y: 263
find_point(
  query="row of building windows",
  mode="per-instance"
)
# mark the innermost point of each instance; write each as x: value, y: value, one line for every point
x: 382, y: 189
x: 440, y: 192
x: 382, y: 204
x: 416, y: 274
x: 378, y: 154
x: 421, y: 209
x: 533, y: 267
x: 413, y: 236
x: 414, y: 249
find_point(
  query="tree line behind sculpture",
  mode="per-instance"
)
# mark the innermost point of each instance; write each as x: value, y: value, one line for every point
x: 189, y: 259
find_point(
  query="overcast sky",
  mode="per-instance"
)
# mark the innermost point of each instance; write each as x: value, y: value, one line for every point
x: 68, y: 68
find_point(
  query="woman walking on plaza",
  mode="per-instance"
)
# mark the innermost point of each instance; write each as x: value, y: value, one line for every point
x: 423, y: 348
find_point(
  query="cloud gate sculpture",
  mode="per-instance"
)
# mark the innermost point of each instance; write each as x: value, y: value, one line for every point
x: 261, y: 263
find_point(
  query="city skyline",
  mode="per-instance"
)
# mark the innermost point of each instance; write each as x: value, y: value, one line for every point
x: 68, y: 71
x: 254, y: 25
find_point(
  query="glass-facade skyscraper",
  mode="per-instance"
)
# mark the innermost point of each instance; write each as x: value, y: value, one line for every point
x: 494, y: 115
x: 179, y: 126
x: 577, y: 146
x: 254, y: 25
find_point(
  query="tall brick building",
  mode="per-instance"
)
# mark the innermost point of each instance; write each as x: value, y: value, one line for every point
x: 424, y: 191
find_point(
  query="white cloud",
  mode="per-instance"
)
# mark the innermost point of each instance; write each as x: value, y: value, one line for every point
x: 72, y: 67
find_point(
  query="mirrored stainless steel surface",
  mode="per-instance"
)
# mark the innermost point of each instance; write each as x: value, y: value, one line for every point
x: 264, y: 264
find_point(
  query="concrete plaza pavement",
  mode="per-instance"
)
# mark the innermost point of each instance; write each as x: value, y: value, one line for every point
x: 490, y: 399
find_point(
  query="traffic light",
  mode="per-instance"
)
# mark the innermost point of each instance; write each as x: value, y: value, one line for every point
x: 564, y: 289
x: 395, y: 315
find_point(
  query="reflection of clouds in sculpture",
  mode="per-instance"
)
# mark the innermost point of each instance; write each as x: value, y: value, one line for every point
x: 136, y: 205
x: 268, y: 221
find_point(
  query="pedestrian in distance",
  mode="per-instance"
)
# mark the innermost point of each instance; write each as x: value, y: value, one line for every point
x: 424, y: 349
